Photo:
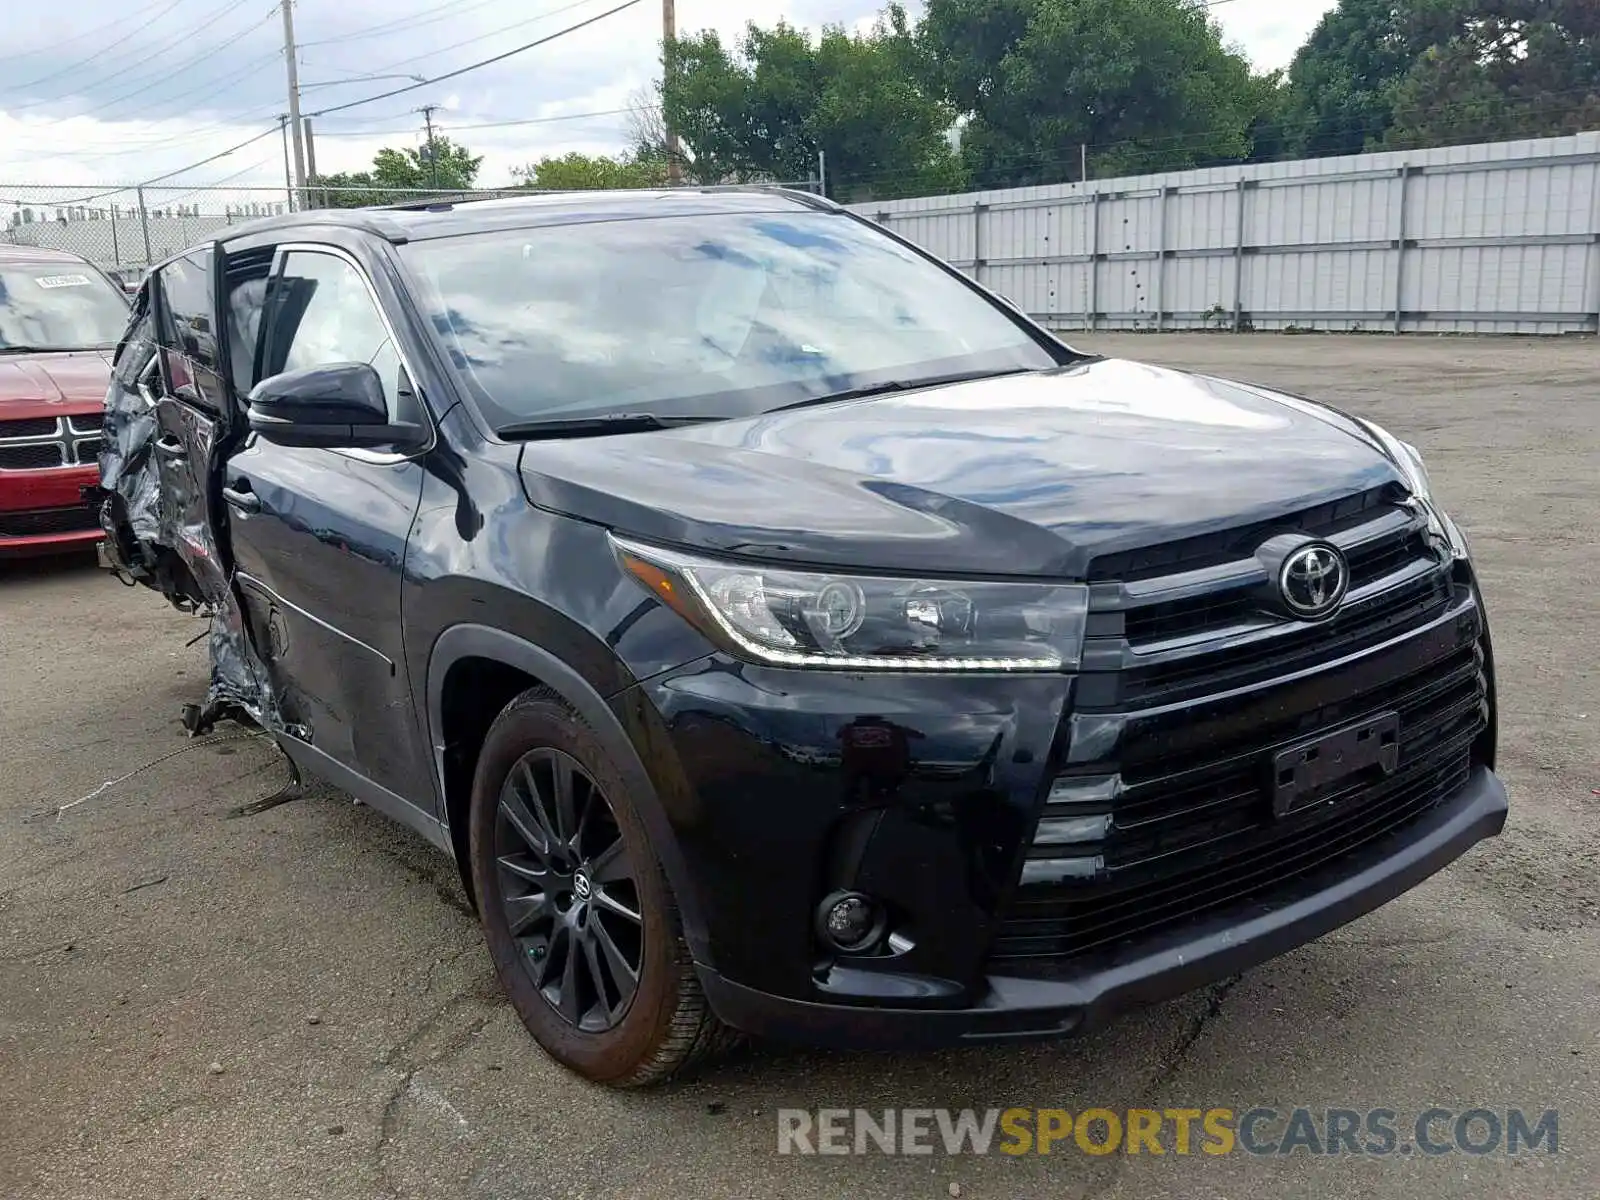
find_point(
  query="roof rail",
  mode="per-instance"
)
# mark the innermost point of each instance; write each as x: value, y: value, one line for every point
x: 799, y: 195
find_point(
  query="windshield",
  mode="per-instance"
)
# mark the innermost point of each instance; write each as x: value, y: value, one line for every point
x: 51, y: 306
x: 725, y: 315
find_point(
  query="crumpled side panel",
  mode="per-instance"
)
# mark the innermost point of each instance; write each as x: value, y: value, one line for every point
x: 126, y: 467
x: 238, y: 676
x: 156, y: 464
x: 130, y: 482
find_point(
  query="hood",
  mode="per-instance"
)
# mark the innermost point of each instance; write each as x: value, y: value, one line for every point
x: 1021, y: 475
x: 44, y: 385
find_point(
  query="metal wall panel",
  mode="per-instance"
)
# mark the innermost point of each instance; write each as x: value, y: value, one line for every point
x: 1495, y: 238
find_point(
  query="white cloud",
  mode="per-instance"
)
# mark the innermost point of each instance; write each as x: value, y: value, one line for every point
x: 105, y: 94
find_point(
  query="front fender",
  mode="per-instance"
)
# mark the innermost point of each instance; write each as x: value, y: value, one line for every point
x: 466, y: 641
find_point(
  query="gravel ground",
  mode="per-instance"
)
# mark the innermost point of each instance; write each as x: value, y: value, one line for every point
x: 298, y: 1003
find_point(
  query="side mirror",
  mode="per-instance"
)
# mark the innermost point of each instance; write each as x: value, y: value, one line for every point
x: 339, y: 406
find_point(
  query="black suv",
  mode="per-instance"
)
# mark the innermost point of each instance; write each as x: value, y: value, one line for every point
x: 784, y: 634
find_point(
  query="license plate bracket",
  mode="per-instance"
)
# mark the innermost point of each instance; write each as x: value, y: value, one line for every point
x: 1304, y: 772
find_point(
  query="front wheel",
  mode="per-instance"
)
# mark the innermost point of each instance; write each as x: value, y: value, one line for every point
x: 578, y: 914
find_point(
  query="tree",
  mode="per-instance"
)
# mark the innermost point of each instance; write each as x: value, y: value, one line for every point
x: 1145, y: 84
x: 442, y: 165
x: 593, y: 172
x: 764, y: 109
x: 1510, y: 69
x: 1378, y: 73
x: 646, y: 125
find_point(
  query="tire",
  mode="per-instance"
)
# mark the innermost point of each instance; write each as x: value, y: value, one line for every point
x: 544, y: 912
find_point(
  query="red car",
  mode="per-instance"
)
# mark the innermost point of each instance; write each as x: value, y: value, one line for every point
x: 60, y: 319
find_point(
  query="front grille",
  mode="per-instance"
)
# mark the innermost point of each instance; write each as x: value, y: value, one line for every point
x: 28, y: 427
x: 1195, y: 553
x: 1290, y: 646
x: 1177, y: 836
x: 88, y: 423
x: 1211, y: 624
x: 30, y: 458
x: 89, y: 451
x: 1213, y: 610
x: 1170, y: 805
x: 1064, y: 926
x: 41, y: 522
x: 1192, y: 683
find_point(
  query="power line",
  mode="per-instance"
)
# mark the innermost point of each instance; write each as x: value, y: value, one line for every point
x: 141, y: 51
x: 94, y: 31
x: 250, y: 68
x: 212, y: 158
x: 111, y: 48
x: 414, y: 21
x: 608, y: 112
x: 483, y: 37
x: 216, y: 183
x: 122, y: 147
x: 169, y: 174
x: 483, y: 63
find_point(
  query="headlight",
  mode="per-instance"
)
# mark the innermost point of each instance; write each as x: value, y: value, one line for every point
x: 1409, y: 459
x: 862, y: 622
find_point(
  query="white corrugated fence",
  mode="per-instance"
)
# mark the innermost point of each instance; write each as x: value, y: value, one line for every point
x: 1495, y: 238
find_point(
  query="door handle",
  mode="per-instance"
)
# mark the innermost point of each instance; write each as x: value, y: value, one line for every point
x: 239, y: 495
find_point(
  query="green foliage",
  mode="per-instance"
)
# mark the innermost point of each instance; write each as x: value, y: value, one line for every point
x: 594, y: 172
x: 1508, y: 69
x: 1146, y: 85
x: 761, y: 111
x: 446, y: 165
x: 1386, y: 73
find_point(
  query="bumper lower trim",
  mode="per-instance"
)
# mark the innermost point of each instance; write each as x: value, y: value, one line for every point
x: 1151, y: 970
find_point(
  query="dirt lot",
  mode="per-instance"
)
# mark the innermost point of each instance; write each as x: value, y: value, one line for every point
x: 298, y: 1003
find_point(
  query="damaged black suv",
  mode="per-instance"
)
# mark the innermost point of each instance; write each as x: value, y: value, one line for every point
x: 784, y: 634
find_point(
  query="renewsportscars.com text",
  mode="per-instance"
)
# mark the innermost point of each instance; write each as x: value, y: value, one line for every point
x: 1377, y: 1132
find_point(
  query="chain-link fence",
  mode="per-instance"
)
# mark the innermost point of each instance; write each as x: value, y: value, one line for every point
x: 125, y: 229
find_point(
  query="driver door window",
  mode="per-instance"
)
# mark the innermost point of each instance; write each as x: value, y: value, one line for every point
x: 322, y: 313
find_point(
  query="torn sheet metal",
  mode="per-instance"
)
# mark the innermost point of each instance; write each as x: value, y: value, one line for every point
x: 157, y: 466
x: 130, y: 486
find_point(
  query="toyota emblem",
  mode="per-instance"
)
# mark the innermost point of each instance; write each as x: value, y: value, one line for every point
x: 1313, y: 580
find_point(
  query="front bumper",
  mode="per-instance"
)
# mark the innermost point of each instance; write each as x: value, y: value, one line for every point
x: 44, y: 511
x: 1157, y: 968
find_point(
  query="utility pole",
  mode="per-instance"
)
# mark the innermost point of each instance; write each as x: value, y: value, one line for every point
x: 289, y: 58
x: 311, y: 164
x: 428, y: 150
x: 669, y: 56
x: 288, y: 172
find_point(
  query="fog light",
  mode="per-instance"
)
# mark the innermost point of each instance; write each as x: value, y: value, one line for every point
x: 850, y: 922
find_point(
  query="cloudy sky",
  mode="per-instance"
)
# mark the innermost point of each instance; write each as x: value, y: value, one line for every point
x: 119, y: 91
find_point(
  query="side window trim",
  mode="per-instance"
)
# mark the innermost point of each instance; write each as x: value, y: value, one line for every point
x: 227, y: 313
x: 203, y: 386
x: 268, y: 332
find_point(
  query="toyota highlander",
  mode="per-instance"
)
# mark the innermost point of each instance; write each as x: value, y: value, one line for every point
x: 783, y: 633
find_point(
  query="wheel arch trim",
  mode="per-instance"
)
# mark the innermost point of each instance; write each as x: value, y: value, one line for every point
x: 481, y: 641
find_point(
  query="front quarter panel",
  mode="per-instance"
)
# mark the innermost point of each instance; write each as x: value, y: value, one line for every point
x: 488, y: 575
x: 479, y: 553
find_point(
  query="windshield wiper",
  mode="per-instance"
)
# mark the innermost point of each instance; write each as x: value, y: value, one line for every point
x: 594, y: 426
x: 904, y: 385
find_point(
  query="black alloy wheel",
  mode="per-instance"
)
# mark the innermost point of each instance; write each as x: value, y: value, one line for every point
x: 568, y: 890
x: 580, y: 919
